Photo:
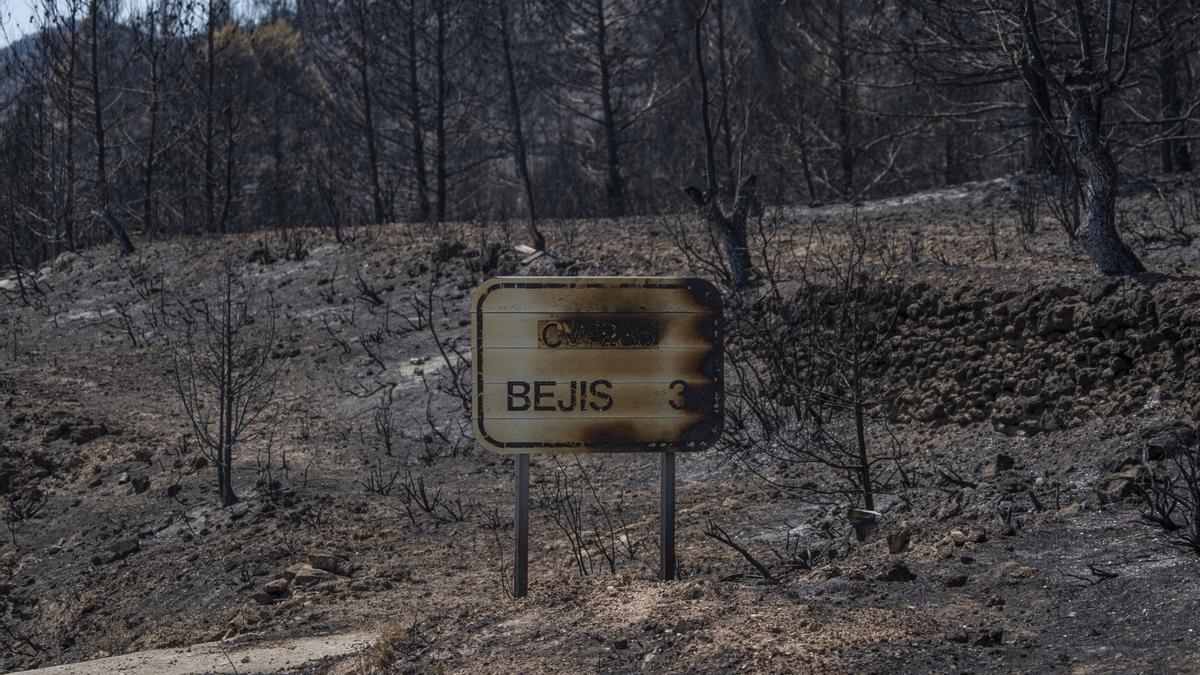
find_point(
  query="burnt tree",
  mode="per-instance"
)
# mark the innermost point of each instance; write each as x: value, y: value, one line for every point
x: 519, y: 142
x: 223, y: 373
x: 727, y: 223
x: 1084, y: 76
x: 1174, y: 153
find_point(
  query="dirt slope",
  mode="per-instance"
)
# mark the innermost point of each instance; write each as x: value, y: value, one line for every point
x: 130, y: 553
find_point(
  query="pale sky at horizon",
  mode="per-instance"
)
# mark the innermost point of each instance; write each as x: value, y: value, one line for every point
x: 14, y: 19
x: 15, y: 16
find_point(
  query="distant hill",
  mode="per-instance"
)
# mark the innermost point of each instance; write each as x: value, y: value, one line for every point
x: 26, y: 50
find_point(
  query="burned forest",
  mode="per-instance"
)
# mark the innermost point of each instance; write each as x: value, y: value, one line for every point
x: 562, y: 336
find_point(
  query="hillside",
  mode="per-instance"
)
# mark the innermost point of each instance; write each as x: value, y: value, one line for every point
x: 1032, y: 397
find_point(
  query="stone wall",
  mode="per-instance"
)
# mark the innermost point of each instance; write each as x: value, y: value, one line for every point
x: 1045, y: 358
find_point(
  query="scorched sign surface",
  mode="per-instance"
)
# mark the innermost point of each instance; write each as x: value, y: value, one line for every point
x: 597, y: 364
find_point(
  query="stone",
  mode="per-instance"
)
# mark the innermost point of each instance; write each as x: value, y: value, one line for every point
x: 292, y: 570
x: 999, y: 464
x: 1009, y: 572
x: 330, y: 563
x: 65, y: 261
x: 1028, y: 387
x: 60, y: 430
x: 1169, y: 443
x: 992, y: 637
x: 139, y: 485
x: 276, y: 586
x: 264, y: 598
x: 897, y: 572
x: 118, y: 550
x: 864, y: 522
x: 88, y: 434
x: 1116, y: 489
x: 898, y: 541
x: 956, y: 581
x: 1122, y: 462
x: 309, y: 576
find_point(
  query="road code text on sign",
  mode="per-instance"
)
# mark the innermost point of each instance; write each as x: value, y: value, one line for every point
x: 597, y: 364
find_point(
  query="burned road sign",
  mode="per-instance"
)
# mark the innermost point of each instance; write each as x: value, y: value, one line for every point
x: 597, y: 364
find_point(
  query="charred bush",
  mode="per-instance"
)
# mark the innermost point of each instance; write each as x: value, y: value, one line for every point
x: 806, y: 388
x: 1170, y: 498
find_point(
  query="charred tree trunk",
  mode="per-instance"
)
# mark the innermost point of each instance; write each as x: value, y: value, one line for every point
x: 1174, y: 154
x: 614, y: 184
x: 1042, y: 146
x: 724, y: 122
x: 418, y: 130
x: 728, y: 228
x: 364, y: 77
x: 225, y: 451
x: 1042, y: 150
x: 231, y: 182
x: 151, y: 134
x: 860, y: 436
x: 731, y: 230
x: 98, y: 109
x: 805, y: 166
x: 1082, y: 89
x: 439, y: 159
x: 69, y: 135
x: 514, y: 109
x: 210, y: 124
x: 845, y: 125
x: 69, y: 109
x: 949, y: 159
x: 118, y: 231
x: 1100, y: 237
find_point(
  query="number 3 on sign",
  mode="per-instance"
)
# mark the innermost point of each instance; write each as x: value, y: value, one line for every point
x: 677, y: 388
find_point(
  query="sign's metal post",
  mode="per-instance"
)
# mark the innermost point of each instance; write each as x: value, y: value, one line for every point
x: 521, y: 558
x: 666, y: 515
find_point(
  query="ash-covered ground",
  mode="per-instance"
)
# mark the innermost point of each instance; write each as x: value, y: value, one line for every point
x: 1034, y: 400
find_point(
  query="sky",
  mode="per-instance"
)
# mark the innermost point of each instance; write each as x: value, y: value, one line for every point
x: 15, y: 16
x: 14, y: 19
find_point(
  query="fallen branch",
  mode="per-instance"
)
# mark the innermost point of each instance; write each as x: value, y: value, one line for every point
x: 713, y: 530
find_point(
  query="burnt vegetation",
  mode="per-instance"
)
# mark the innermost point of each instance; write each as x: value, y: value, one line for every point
x: 163, y: 118
x: 955, y: 244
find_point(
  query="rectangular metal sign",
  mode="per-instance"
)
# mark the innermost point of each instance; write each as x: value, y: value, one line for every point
x: 597, y: 364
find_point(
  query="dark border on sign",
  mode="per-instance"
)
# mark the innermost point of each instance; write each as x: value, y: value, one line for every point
x: 714, y: 302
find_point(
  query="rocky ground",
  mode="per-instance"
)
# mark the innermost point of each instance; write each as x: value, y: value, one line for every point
x: 1032, y: 399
